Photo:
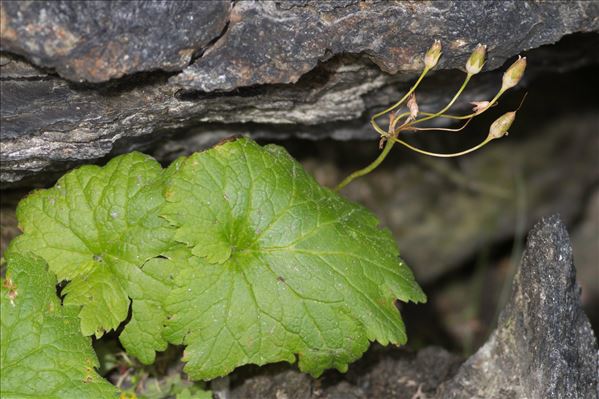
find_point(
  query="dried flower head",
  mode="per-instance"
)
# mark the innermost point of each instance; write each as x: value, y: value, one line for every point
x: 479, y: 106
x: 413, y: 107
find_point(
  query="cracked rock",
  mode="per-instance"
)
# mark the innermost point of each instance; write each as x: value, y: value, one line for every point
x: 95, y: 41
x: 394, y: 35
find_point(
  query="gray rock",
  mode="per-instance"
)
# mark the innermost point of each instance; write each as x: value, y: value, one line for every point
x: 96, y: 41
x: 397, y: 374
x: 49, y: 124
x: 544, y: 345
x: 585, y: 240
x: 270, y: 42
x: 393, y: 35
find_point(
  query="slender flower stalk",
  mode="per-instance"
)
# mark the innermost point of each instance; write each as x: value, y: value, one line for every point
x: 369, y: 168
x: 474, y: 65
x: 397, y: 104
x: 441, y: 129
x: 449, y: 104
x: 498, y: 129
x: 511, y: 77
x: 430, y: 60
x: 441, y: 155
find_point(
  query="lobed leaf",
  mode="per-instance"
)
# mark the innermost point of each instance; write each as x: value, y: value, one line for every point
x: 275, y: 266
x: 97, y: 228
x: 42, y: 351
x: 251, y: 259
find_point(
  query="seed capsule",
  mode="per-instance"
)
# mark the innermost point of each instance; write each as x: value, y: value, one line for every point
x: 477, y: 60
x: 432, y: 55
x: 514, y: 73
x: 500, y: 127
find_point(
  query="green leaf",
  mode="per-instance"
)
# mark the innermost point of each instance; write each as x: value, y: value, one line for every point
x: 276, y: 266
x: 43, y: 354
x: 200, y: 394
x: 97, y: 228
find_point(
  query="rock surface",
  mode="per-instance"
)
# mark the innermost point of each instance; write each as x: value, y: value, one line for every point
x: 585, y: 240
x: 95, y: 41
x: 544, y: 346
x: 397, y: 374
x: 98, y: 41
x: 393, y: 35
x: 346, y: 59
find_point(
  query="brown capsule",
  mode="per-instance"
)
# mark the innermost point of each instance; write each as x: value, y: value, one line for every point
x: 413, y: 107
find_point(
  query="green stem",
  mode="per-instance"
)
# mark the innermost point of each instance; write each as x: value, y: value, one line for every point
x: 442, y: 129
x: 491, y: 103
x: 369, y: 168
x: 434, y: 154
x: 392, y: 139
x: 440, y: 113
x: 449, y: 104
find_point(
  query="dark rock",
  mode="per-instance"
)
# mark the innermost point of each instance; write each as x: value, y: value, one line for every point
x: 544, y: 345
x: 272, y: 42
x: 96, y: 41
x: 585, y: 241
x: 397, y: 374
x: 49, y: 125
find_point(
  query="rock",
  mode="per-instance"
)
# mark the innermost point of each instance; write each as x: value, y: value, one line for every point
x: 393, y: 35
x: 585, y: 240
x: 394, y: 373
x: 97, y: 41
x: 50, y: 124
x: 544, y: 345
x: 268, y: 42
